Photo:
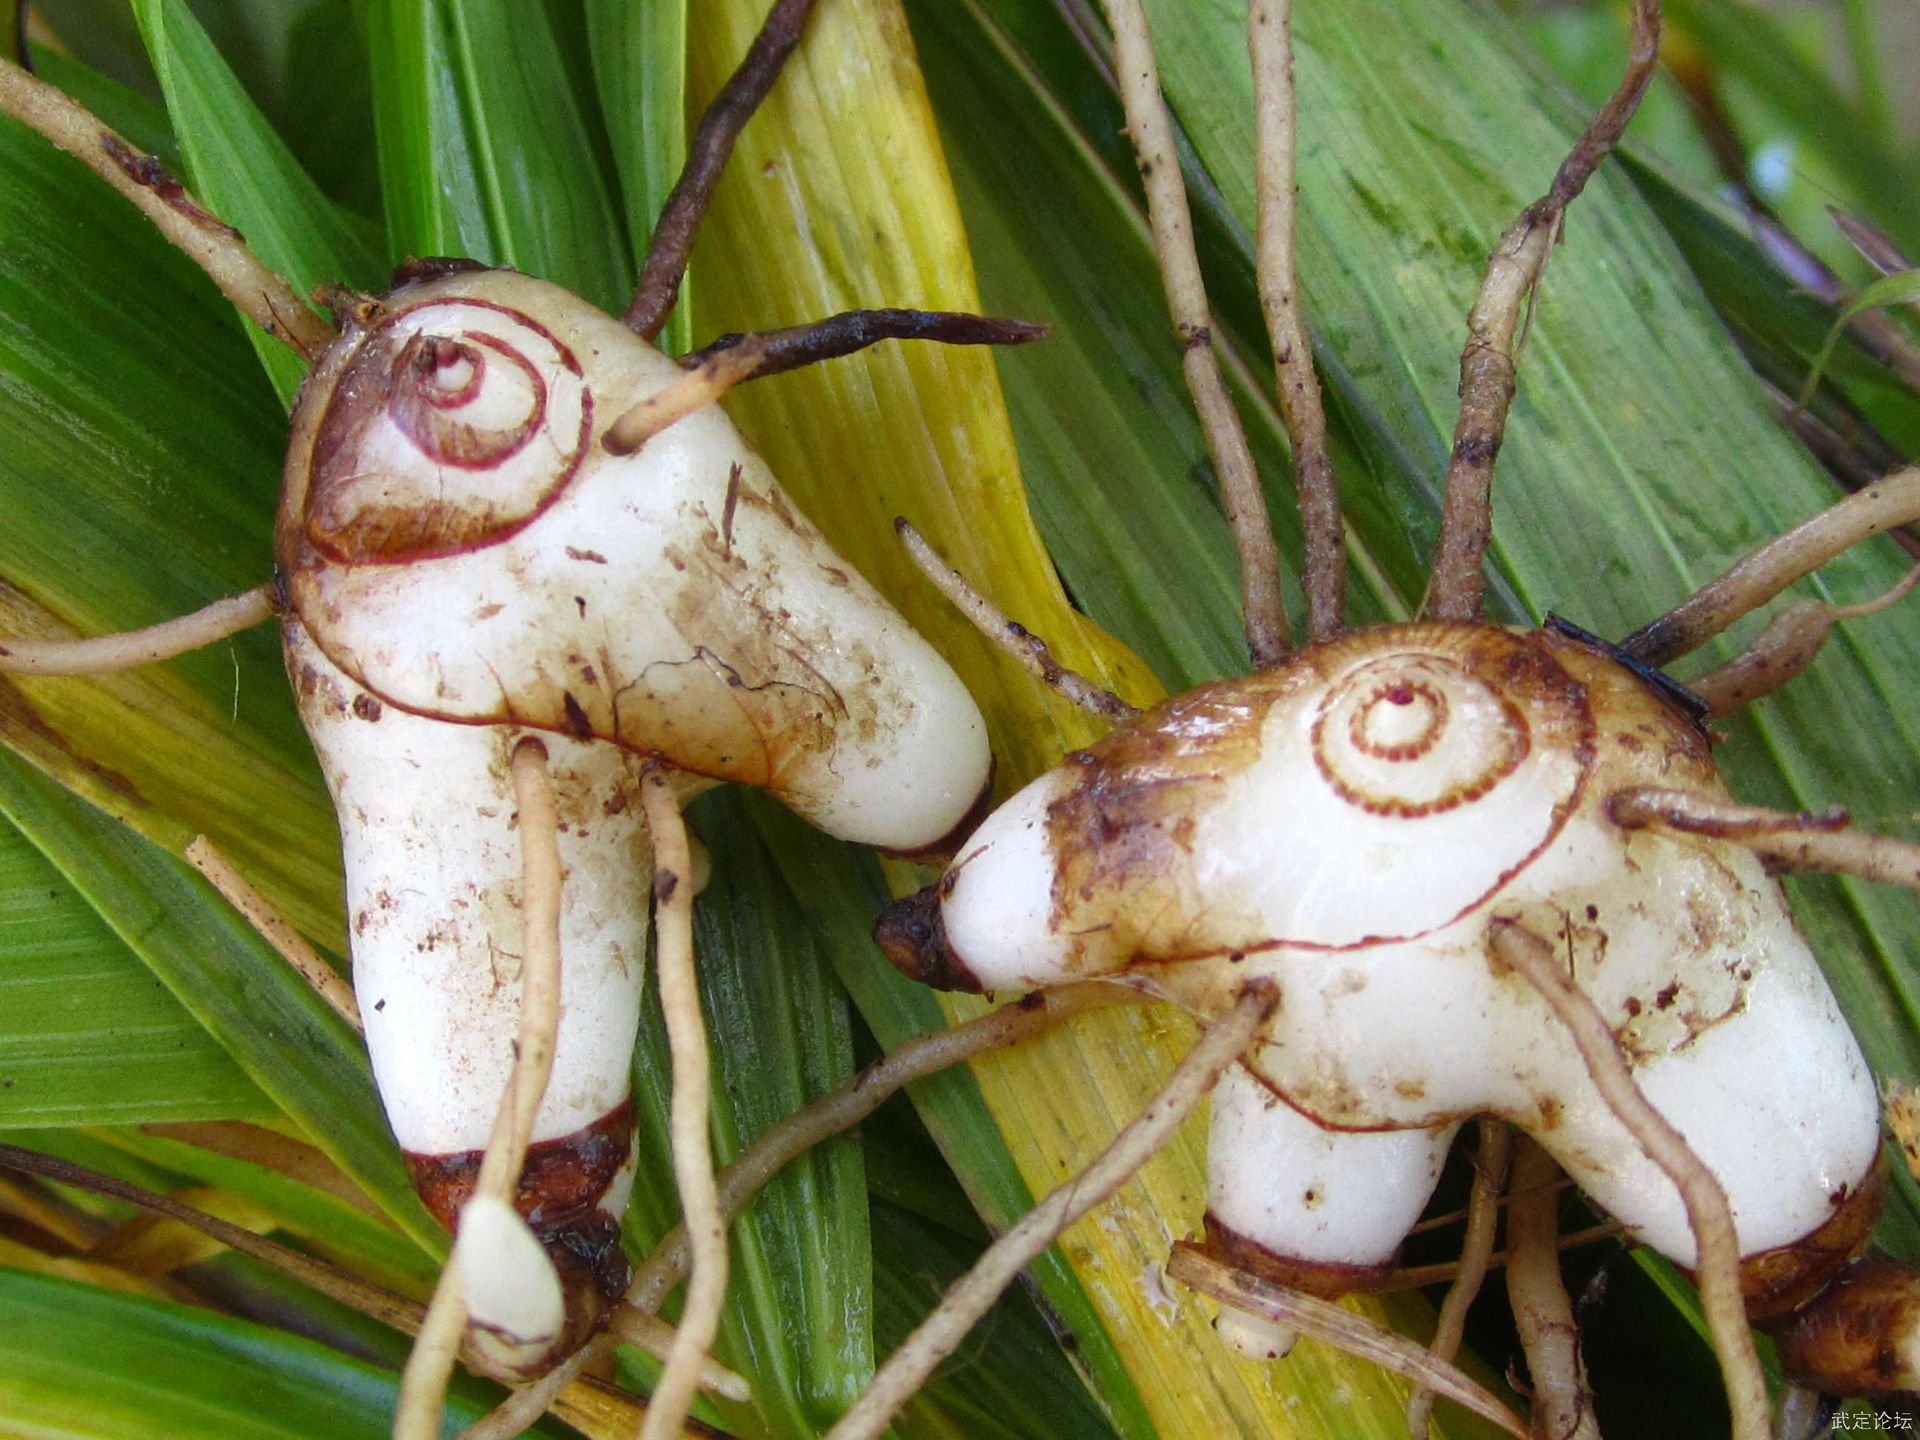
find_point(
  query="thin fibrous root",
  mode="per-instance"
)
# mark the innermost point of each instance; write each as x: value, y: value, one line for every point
x: 1717, y: 1271
x: 970, y: 1297
x: 846, y: 1107
x: 1476, y: 1255
x: 1323, y: 573
x: 686, y: 205
x: 216, y: 247
x: 1457, y: 589
x: 1786, y: 839
x: 1753, y: 581
x: 1340, y: 1328
x: 1152, y: 131
x: 1418, y: 1277
x: 1542, y: 1310
x: 274, y: 928
x: 371, y: 1300
x: 1455, y: 1217
x: 1010, y: 636
x: 103, y: 653
x: 687, y: 1125
x: 423, y: 1383
x: 735, y: 359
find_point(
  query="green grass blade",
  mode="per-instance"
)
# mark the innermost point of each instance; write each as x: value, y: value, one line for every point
x: 245, y: 173
x: 484, y: 150
x: 1902, y: 288
x: 276, y: 1028
x: 85, y: 1362
x: 640, y: 74
x: 328, y: 1222
x: 139, y: 461
x: 87, y: 1036
x: 991, y: 1390
x: 1761, y: 69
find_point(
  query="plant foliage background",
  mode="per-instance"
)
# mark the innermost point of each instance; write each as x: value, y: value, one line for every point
x: 145, y: 1031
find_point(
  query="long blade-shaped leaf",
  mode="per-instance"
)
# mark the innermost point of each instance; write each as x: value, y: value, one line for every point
x: 178, y: 1371
x: 247, y: 175
x: 273, y: 1024
x: 640, y: 75
x: 483, y: 146
x: 86, y: 1035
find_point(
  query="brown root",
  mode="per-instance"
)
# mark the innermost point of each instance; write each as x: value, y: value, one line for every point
x: 1717, y: 1272
x: 907, y: 1369
x: 259, y: 293
x: 704, y: 1221
x: 1011, y: 637
x: 1542, y: 1311
x: 1172, y: 225
x: 1324, y: 569
x: 1418, y: 1277
x: 1753, y: 581
x: 1457, y: 589
x: 735, y: 359
x: 100, y: 654
x: 1476, y: 1255
x: 1785, y: 839
x: 1344, y: 1330
x: 1785, y: 648
x: 274, y: 928
x: 680, y: 217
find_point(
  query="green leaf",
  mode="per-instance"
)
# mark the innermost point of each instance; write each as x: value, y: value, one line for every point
x: 179, y: 1371
x: 484, y: 151
x: 992, y: 1389
x: 276, y: 1028
x: 1889, y: 290
x: 140, y: 450
x: 87, y: 1034
x: 640, y: 74
x: 1835, y: 154
x: 246, y: 174
x: 331, y: 1223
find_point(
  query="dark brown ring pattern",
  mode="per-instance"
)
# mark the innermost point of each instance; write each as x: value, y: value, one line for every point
x: 1515, y: 728
x: 1390, y: 692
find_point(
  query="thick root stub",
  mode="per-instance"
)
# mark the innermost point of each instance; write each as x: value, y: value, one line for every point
x: 1859, y: 1337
